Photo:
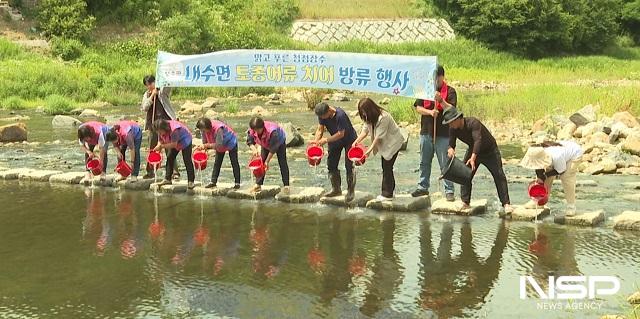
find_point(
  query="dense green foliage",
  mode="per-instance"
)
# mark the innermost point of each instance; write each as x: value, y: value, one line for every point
x: 57, y: 104
x: 536, y: 28
x: 631, y: 19
x: 67, y: 49
x: 65, y: 19
x: 13, y: 103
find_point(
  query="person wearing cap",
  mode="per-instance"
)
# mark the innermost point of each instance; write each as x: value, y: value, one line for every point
x: 483, y: 149
x: 555, y: 159
x: 336, y: 121
x: 445, y: 97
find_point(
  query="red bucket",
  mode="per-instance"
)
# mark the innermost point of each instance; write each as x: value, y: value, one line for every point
x: 200, y: 160
x: 94, y: 166
x: 314, y: 154
x: 356, y: 154
x: 123, y: 169
x: 538, y: 193
x: 256, y: 165
x: 154, y: 159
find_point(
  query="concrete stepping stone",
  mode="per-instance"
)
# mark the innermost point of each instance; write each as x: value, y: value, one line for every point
x: 360, y: 199
x: 529, y: 214
x: 222, y: 189
x: 632, y: 197
x: 108, y: 181
x: 400, y: 203
x: 67, y: 178
x: 443, y: 206
x: 627, y: 220
x: 175, y: 188
x: 268, y: 191
x: 632, y: 185
x: 13, y: 173
x: 581, y: 219
x: 301, y: 195
x: 137, y: 185
x: 37, y: 175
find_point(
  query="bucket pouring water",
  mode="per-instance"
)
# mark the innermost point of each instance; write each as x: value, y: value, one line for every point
x: 356, y: 154
x: 256, y: 165
x: 538, y: 193
x: 457, y: 172
x: 154, y: 159
x: 94, y: 166
x: 314, y: 154
x: 123, y: 169
x: 200, y: 159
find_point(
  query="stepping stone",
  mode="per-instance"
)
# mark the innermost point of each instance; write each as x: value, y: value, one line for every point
x: 67, y: 178
x: 14, y: 173
x: 581, y: 219
x: 268, y: 191
x: 222, y: 189
x: 628, y: 220
x: 37, y: 176
x: 400, y: 203
x: 443, y: 206
x: 632, y: 197
x: 580, y: 183
x: 108, y: 181
x: 175, y: 188
x: 529, y: 214
x: 632, y: 185
x: 301, y: 195
x: 137, y: 185
x: 360, y: 199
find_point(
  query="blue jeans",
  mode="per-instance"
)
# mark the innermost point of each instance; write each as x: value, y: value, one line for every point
x: 426, y: 158
x: 137, y: 142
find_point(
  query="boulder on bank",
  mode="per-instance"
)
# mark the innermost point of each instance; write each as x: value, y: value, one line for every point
x: 210, y: 102
x: 16, y: 132
x: 63, y: 121
x: 260, y: 111
x: 189, y: 108
x: 626, y: 118
x: 627, y: 220
x: 584, y: 116
x: 88, y: 113
x: 294, y: 138
x: 566, y: 132
x: 632, y: 144
x: 339, y: 97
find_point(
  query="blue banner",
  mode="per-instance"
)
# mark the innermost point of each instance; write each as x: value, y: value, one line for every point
x: 401, y: 75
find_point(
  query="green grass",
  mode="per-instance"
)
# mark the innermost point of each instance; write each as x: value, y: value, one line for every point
x: 232, y: 106
x: 57, y: 104
x: 352, y: 9
x: 402, y: 110
x: 13, y: 103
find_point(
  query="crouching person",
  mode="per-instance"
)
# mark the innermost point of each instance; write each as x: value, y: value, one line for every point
x: 91, y: 135
x: 175, y: 137
x: 220, y: 137
x: 272, y: 140
x: 127, y: 135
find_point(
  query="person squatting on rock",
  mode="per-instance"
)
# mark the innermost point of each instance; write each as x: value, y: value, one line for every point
x: 127, y: 135
x: 445, y: 97
x: 90, y: 135
x: 483, y: 149
x: 156, y: 103
x: 174, y: 137
x: 271, y: 138
x: 386, y: 140
x: 220, y: 137
x: 342, y: 135
x: 551, y: 160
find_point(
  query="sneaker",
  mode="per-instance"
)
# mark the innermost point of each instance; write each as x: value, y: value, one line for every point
x: 286, y: 190
x: 450, y: 197
x: 383, y: 198
x: 508, y: 209
x: 571, y: 210
x: 236, y: 186
x: 420, y: 192
x: 191, y: 185
x: 210, y: 185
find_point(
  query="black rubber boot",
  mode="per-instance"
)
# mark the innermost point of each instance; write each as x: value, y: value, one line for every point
x: 335, y: 185
x: 351, y: 187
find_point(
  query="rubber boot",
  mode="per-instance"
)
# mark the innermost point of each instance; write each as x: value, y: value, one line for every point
x: 351, y: 187
x: 335, y: 185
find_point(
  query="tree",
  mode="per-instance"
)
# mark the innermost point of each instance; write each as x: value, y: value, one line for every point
x: 67, y: 19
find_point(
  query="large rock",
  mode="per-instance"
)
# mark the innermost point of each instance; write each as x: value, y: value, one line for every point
x: 584, y: 116
x: 627, y: 220
x: 581, y: 219
x: 16, y: 132
x: 529, y: 214
x: 210, y: 102
x: 632, y: 144
x: 293, y: 137
x: 400, y: 203
x: 268, y: 191
x: 63, y: 121
x: 13, y: 173
x: 589, y: 129
x: 405, y: 137
x: 88, y: 113
x: 260, y: 111
x: 626, y: 118
x: 37, y: 175
x: 566, y: 132
x: 621, y: 158
x: 189, y: 108
x: 67, y: 178
x: 598, y: 137
x: 442, y: 206
x: 360, y: 200
x: 301, y: 195
x: 339, y: 97
x: 175, y: 188
x: 606, y: 166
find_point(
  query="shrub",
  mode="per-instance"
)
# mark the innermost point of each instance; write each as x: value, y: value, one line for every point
x: 67, y: 49
x: 14, y: 103
x: 191, y: 32
x: 535, y: 28
x: 65, y: 18
x: 133, y: 48
x: 232, y: 107
x: 313, y: 97
x: 57, y: 104
x: 631, y: 19
x: 402, y: 110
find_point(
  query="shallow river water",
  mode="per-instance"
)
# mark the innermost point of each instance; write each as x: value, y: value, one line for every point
x: 74, y: 252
